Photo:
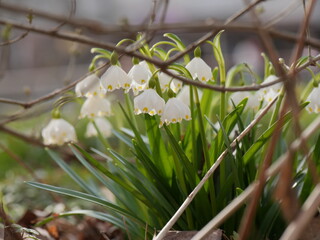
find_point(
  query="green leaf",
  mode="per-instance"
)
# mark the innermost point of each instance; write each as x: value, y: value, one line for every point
x: 87, y: 197
x: 101, y: 51
x: 137, y: 134
x: 123, y: 138
x: 176, y: 40
x: 113, y: 187
x: 95, y: 214
x: 233, y: 72
x: 181, y: 69
x: 264, y: 138
x: 186, y: 164
x: 71, y: 173
x: 122, y: 182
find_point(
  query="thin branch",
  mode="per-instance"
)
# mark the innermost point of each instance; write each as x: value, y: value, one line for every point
x: 16, y: 39
x: 191, y: 196
x: 209, y: 35
x: 309, y: 209
x: 271, y: 171
x: 185, y: 80
x: 194, y: 26
x: 21, y: 136
x: 300, y: 44
x: 51, y: 95
x: 286, y: 11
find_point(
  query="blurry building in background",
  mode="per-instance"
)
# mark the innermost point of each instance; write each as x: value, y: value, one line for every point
x: 41, y: 64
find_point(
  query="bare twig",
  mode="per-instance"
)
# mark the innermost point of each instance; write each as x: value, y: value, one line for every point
x: 14, y: 40
x: 209, y: 35
x: 51, y: 95
x: 309, y: 209
x: 21, y: 136
x: 271, y: 171
x: 191, y: 196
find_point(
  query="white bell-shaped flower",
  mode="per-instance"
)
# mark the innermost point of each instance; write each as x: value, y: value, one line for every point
x: 164, y: 81
x: 184, y: 95
x: 58, y: 132
x: 270, y: 95
x: 95, y: 107
x: 314, y: 101
x: 253, y: 101
x: 137, y: 88
x: 149, y: 102
x: 174, y: 111
x: 140, y: 74
x: 176, y: 85
x: 115, y: 78
x: 102, y: 124
x: 275, y: 89
x: 90, y: 86
x: 199, y: 70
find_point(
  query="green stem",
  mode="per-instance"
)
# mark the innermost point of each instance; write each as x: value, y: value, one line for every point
x: 193, y: 129
x: 101, y: 137
x: 205, y: 151
x: 180, y: 176
x: 130, y: 110
x: 275, y: 112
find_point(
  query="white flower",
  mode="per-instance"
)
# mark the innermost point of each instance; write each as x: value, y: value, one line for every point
x: 164, y: 81
x: 314, y: 99
x: 90, y: 86
x: 167, y: 81
x: 95, y: 107
x: 175, y: 85
x: 103, y: 125
x: 149, y: 102
x: 270, y: 95
x: 115, y: 78
x: 140, y: 73
x: 199, y: 70
x: 58, y: 132
x: 136, y: 88
x: 184, y: 95
x: 276, y: 88
x: 253, y: 101
x: 174, y: 111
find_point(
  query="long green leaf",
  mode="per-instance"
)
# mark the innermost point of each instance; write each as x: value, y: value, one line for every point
x: 190, y: 170
x: 122, y: 182
x: 263, y: 139
x: 87, y: 197
x: 71, y: 173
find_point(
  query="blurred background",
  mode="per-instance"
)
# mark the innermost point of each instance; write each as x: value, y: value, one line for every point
x: 38, y: 64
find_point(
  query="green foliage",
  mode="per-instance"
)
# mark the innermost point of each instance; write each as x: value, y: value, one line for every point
x: 159, y: 167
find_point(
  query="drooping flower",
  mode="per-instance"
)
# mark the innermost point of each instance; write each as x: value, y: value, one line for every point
x: 253, y: 101
x: 149, y: 102
x: 95, y: 107
x: 139, y: 73
x: 102, y: 124
x: 90, y: 86
x: 176, y: 85
x: 115, y: 78
x: 164, y: 81
x: 270, y: 95
x: 199, y: 69
x: 275, y: 89
x: 314, y: 101
x: 136, y: 88
x: 175, y: 110
x: 184, y: 95
x: 58, y: 132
